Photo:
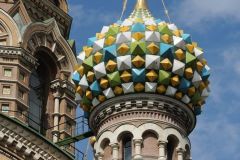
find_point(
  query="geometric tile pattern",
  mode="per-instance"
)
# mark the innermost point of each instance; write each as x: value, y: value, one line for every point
x: 141, y: 55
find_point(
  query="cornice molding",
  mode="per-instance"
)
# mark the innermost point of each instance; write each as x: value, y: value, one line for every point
x: 51, y: 10
x: 162, y: 105
x: 7, y: 51
x: 32, y: 145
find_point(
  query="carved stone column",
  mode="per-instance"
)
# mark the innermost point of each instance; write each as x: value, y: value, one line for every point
x: 56, y: 116
x: 162, y: 150
x: 115, y: 151
x: 138, y: 147
x: 180, y: 153
x: 99, y: 156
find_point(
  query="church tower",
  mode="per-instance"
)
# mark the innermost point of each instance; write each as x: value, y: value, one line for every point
x: 36, y: 62
x: 141, y: 82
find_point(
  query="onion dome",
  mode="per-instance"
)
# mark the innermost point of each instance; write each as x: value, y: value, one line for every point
x: 141, y: 54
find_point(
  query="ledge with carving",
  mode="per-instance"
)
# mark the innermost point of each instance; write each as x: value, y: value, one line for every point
x: 26, y: 143
x: 8, y: 51
x: 64, y: 85
x: 166, y: 109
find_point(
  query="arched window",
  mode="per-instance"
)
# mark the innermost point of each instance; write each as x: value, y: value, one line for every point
x: 107, y: 149
x: 127, y: 147
x: 172, y: 148
x: 150, y: 145
x: 40, y: 100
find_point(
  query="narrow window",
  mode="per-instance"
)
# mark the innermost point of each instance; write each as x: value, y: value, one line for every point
x: 6, y: 90
x: 171, y: 148
x: 68, y: 127
x: 69, y: 110
x: 21, y: 76
x: 5, y: 108
x: 8, y: 72
x: 35, y: 101
x: 127, y: 148
x: 20, y: 94
x: 20, y: 111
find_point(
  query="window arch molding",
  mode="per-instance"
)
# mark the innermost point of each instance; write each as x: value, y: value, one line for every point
x: 172, y: 145
x: 39, y: 83
x: 125, y: 139
x: 9, y: 25
x: 49, y: 59
x: 48, y: 35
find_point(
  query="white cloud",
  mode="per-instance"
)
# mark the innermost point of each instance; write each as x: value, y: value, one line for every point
x: 225, y: 75
x: 86, y: 16
x: 232, y: 59
x: 197, y: 12
x: 216, y: 136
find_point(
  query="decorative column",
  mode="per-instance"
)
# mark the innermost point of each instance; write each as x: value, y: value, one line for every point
x: 180, y: 153
x: 115, y: 150
x: 138, y: 147
x: 99, y: 156
x: 56, y: 116
x: 162, y: 150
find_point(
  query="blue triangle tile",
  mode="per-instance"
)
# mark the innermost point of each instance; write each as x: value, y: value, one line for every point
x: 138, y: 27
x: 165, y: 48
x: 205, y: 73
x: 158, y: 20
x: 166, y: 51
x: 110, y: 53
x: 95, y: 88
x: 91, y: 41
x: 76, y: 77
x: 138, y: 75
x: 184, y: 85
x: 197, y: 110
x: 187, y: 38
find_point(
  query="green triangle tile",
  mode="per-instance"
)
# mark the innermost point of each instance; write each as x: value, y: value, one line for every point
x: 88, y: 63
x: 164, y: 30
x: 86, y: 101
x: 190, y: 58
x: 114, y: 79
x: 138, y: 48
x: 112, y: 31
x: 196, y: 97
x: 164, y: 77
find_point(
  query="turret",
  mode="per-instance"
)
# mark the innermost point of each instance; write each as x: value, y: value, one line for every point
x: 142, y: 82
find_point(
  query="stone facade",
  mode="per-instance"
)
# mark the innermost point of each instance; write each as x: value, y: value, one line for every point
x: 35, y: 52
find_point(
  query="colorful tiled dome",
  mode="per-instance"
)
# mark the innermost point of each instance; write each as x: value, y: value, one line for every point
x: 141, y: 55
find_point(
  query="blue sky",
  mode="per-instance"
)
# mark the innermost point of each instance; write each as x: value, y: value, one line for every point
x: 214, y: 24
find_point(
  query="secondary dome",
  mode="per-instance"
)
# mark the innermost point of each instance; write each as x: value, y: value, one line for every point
x: 141, y: 54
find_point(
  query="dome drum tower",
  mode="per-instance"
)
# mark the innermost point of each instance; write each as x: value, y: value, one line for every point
x: 149, y: 119
x: 142, y: 82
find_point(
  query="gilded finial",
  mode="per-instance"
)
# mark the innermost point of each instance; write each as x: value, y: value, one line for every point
x: 141, y: 4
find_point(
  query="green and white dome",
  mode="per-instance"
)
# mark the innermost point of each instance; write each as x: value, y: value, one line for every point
x: 141, y: 55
